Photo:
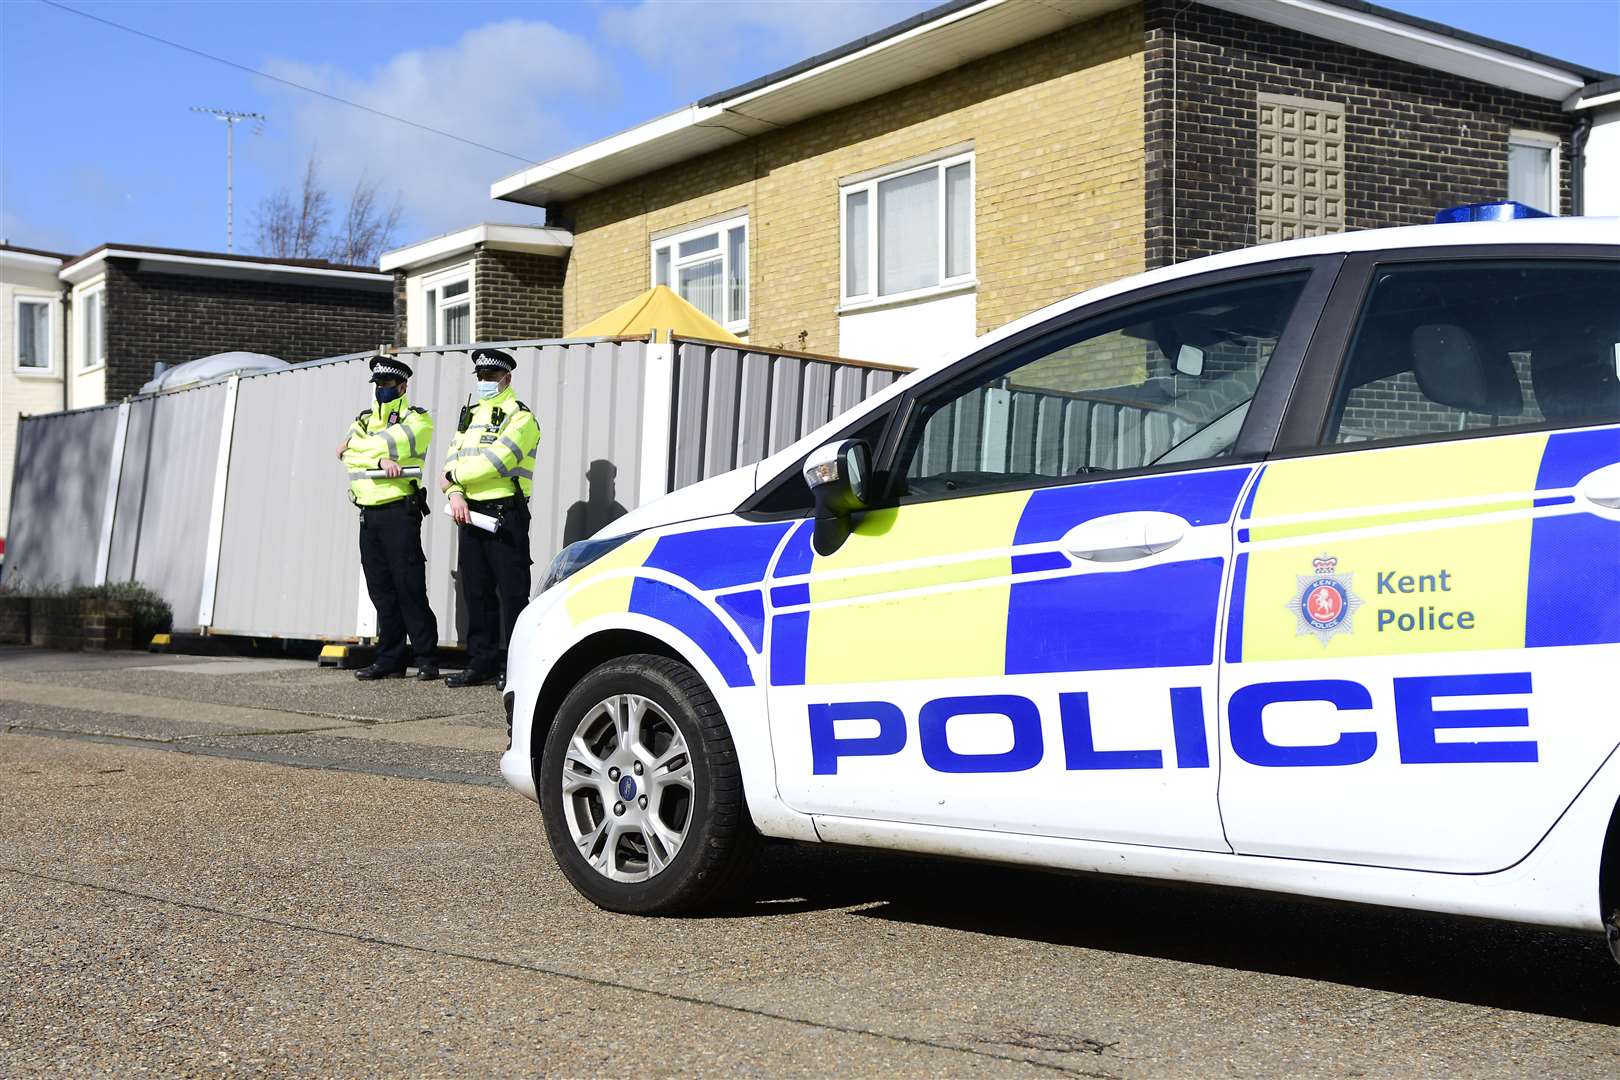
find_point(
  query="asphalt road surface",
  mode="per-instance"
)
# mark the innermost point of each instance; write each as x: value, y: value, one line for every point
x: 255, y: 867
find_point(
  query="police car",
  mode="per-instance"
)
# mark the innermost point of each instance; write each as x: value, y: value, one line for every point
x: 1293, y: 568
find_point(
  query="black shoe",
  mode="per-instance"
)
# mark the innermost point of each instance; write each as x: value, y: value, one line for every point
x: 366, y: 674
x: 500, y: 681
x: 470, y: 678
x: 427, y: 672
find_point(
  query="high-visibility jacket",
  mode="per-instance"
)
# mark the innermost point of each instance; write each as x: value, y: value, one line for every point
x: 397, y: 430
x: 493, y: 455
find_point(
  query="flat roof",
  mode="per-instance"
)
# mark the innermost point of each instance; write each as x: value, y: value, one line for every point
x: 530, y: 239
x: 225, y: 256
x: 959, y: 31
x: 228, y: 265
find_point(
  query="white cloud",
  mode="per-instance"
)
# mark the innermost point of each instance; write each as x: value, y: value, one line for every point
x: 507, y: 85
x: 699, y: 41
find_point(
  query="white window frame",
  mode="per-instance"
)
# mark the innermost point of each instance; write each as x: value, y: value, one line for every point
x: 1542, y: 140
x: 51, y: 305
x: 721, y: 228
x: 435, y: 312
x: 81, y: 327
x: 947, y: 285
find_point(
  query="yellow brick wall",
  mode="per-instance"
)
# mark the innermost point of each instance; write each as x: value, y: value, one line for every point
x: 1057, y: 130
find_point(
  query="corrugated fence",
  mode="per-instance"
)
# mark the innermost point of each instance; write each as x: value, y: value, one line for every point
x: 228, y: 498
x: 734, y: 406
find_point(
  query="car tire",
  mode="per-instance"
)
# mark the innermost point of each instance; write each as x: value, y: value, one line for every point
x: 676, y: 836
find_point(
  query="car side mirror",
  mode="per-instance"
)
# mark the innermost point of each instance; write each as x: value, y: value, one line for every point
x: 1190, y: 360
x: 839, y: 475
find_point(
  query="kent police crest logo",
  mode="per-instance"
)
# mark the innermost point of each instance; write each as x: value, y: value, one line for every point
x: 1324, y: 604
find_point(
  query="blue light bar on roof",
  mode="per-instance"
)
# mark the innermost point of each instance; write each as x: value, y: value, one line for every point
x: 1488, y: 211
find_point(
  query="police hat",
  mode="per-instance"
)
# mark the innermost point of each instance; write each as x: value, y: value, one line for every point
x: 388, y: 367
x: 493, y: 358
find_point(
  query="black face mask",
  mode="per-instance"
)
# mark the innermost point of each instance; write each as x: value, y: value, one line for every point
x: 385, y: 394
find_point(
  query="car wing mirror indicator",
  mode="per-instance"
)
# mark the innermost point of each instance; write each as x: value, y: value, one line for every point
x: 840, y: 477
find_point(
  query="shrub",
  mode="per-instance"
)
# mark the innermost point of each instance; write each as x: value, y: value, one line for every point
x: 150, y: 612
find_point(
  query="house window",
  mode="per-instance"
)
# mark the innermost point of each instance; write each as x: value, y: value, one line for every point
x: 33, y: 334
x: 910, y: 232
x: 1300, y: 167
x: 1533, y: 170
x: 92, y: 328
x: 448, y: 304
x: 708, y: 267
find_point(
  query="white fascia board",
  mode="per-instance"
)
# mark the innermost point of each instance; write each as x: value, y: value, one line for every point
x: 671, y: 124
x: 886, y: 44
x: 531, y: 239
x: 1386, y: 37
x: 27, y: 260
x: 92, y: 265
x: 1596, y: 103
x: 683, y: 122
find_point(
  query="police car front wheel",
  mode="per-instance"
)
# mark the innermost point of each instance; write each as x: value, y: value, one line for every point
x: 640, y: 790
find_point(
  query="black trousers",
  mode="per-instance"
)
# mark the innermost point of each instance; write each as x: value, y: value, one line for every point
x: 396, y: 579
x: 494, y: 580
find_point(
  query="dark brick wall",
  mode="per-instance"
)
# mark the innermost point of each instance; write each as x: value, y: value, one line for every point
x: 517, y: 296
x: 1416, y: 139
x: 169, y: 317
x: 400, y: 309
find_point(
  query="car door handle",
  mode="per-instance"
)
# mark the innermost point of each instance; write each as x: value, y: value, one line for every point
x: 1124, y: 537
x: 1602, y: 486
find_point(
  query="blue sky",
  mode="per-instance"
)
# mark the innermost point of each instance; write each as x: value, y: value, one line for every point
x: 97, y: 142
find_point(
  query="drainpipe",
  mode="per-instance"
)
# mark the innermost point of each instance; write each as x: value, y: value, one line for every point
x: 66, y: 340
x: 1577, y: 182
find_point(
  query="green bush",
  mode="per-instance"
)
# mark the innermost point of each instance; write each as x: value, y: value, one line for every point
x: 150, y: 613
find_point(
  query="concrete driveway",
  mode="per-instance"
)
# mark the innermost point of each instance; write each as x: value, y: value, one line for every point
x: 269, y: 868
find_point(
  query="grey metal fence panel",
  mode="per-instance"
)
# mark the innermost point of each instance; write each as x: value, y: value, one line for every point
x: 172, y: 524
x: 288, y: 565
x: 138, y: 465
x: 734, y: 406
x: 58, y: 496
x: 1050, y: 434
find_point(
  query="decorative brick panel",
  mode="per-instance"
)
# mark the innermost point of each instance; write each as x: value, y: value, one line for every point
x: 518, y: 296
x: 1299, y: 167
x: 172, y: 318
x: 1415, y: 139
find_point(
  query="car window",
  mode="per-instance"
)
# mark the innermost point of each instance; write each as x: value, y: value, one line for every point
x: 1164, y: 381
x: 1471, y: 345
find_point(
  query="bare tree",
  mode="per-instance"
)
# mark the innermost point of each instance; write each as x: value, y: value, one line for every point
x: 292, y: 227
x: 366, y: 228
x: 300, y: 226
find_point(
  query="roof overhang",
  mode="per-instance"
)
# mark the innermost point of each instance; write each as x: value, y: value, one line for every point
x: 932, y: 44
x: 29, y: 260
x: 1417, y: 41
x: 961, y: 31
x: 1594, y: 96
x: 529, y: 239
x: 89, y: 266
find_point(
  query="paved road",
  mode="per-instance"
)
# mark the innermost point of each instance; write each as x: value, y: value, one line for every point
x: 267, y: 868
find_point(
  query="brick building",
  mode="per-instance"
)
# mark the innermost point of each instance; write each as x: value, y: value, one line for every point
x: 484, y: 283
x: 906, y: 192
x: 81, y: 331
x: 130, y: 308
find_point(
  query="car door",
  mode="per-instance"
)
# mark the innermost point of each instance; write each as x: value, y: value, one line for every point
x: 1426, y: 605
x: 1022, y: 638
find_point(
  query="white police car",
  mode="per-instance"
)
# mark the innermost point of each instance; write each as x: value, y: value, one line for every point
x: 1294, y: 568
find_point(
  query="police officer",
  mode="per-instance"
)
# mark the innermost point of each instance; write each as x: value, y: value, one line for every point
x: 389, y: 437
x: 490, y: 470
